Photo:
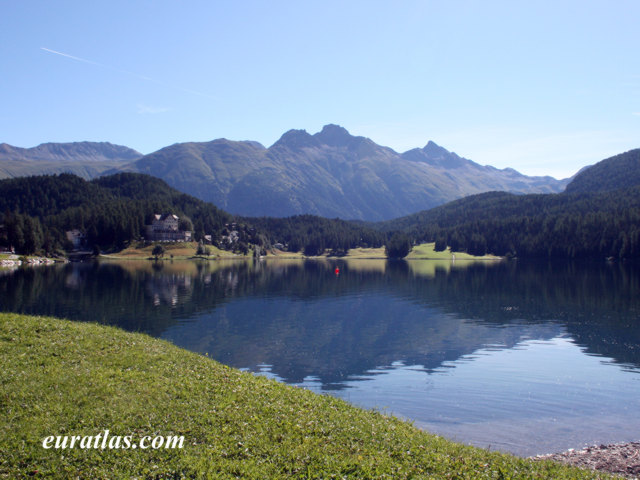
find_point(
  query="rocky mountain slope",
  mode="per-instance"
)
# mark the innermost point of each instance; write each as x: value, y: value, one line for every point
x: 331, y: 173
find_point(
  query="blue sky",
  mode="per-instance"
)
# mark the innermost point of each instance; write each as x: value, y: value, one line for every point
x: 543, y: 87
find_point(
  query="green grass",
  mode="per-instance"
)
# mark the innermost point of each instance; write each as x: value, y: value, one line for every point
x: 275, y: 253
x: 426, y: 251
x: 179, y: 250
x: 365, y: 253
x: 69, y: 378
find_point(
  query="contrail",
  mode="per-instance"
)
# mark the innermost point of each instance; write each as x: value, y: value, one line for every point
x: 71, y: 56
x: 137, y: 75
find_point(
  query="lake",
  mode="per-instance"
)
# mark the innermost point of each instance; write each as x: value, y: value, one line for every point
x: 516, y: 356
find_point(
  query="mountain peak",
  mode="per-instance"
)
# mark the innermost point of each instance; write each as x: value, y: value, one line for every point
x: 435, y: 155
x: 296, y: 139
x: 432, y: 149
x: 332, y: 134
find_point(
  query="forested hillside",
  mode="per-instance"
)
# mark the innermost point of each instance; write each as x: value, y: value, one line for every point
x: 598, y: 216
x: 586, y: 221
x: 580, y: 225
x: 613, y: 173
x: 112, y: 211
x: 313, y: 235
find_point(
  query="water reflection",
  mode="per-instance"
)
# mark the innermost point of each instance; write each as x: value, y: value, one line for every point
x: 302, y: 319
x: 467, y: 349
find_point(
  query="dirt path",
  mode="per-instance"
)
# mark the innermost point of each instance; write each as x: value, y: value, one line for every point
x: 620, y: 459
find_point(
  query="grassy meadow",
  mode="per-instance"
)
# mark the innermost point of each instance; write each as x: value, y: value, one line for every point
x: 426, y: 251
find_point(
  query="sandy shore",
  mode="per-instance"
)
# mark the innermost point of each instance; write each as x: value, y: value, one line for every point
x: 620, y: 459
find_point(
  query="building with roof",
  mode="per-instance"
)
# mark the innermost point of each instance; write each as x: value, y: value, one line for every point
x: 165, y: 228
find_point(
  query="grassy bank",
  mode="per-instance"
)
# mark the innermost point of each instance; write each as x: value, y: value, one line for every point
x: 426, y: 251
x: 177, y: 250
x: 65, y: 378
x: 185, y: 250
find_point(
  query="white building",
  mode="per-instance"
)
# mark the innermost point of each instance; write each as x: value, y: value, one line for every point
x: 164, y: 228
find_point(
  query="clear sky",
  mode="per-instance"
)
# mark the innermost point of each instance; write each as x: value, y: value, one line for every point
x: 545, y: 87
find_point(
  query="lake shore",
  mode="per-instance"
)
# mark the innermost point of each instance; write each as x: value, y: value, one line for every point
x: 619, y: 459
x: 13, y: 260
x: 63, y: 377
x: 187, y: 251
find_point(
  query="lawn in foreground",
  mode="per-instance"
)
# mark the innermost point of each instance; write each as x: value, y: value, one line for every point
x: 69, y: 378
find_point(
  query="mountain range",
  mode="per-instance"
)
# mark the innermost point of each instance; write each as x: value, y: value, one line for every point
x: 597, y: 216
x: 331, y: 173
x: 85, y: 159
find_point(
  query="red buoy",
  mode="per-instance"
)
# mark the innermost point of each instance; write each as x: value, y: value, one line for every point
x: 337, y: 271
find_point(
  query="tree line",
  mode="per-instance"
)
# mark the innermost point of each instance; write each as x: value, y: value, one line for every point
x: 314, y: 235
x: 109, y: 211
x: 112, y: 211
x: 567, y: 225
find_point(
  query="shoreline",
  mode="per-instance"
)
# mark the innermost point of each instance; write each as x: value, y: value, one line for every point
x: 187, y: 251
x: 616, y: 458
x: 14, y: 260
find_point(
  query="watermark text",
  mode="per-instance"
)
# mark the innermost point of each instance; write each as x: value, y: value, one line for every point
x: 106, y: 441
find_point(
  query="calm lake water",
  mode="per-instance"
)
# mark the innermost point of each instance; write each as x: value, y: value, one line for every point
x: 521, y: 357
